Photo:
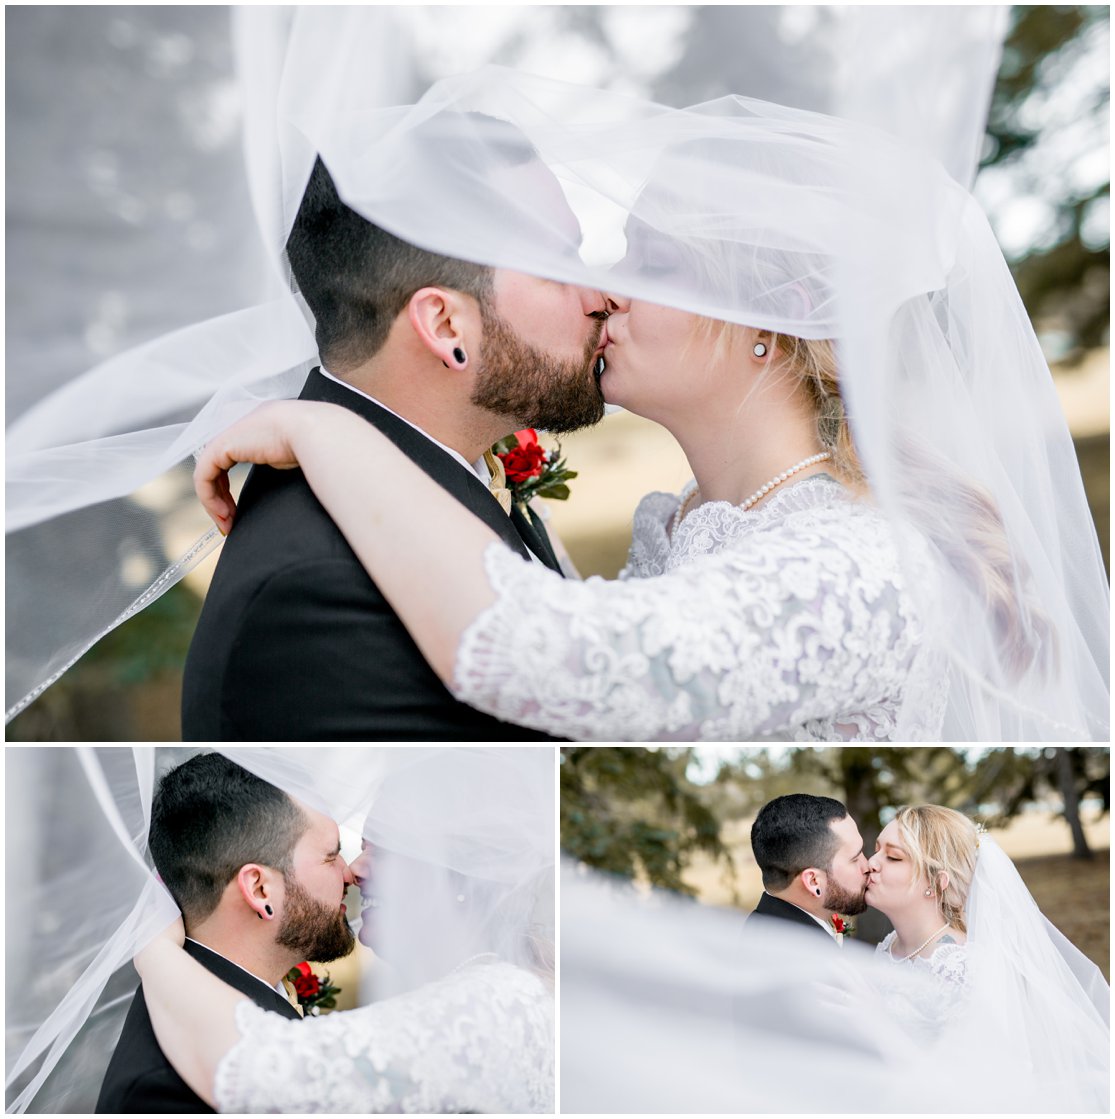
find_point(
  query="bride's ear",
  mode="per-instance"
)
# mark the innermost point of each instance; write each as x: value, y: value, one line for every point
x: 254, y: 888
x: 442, y: 321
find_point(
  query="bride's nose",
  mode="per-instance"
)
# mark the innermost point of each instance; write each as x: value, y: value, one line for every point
x: 873, y: 863
x: 616, y: 303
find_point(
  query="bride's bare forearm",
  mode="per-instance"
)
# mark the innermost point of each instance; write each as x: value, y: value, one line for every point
x: 192, y: 1013
x: 422, y: 547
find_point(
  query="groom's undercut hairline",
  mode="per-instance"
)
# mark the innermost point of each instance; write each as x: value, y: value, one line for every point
x: 357, y: 277
x: 801, y: 825
x: 209, y: 819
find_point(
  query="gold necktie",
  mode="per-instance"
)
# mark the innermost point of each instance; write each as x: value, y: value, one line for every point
x: 292, y: 997
x: 498, y: 483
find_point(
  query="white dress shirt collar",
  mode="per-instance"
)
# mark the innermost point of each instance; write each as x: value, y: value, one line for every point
x: 277, y: 988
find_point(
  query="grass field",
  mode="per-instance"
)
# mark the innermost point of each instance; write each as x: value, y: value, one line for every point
x: 1075, y: 895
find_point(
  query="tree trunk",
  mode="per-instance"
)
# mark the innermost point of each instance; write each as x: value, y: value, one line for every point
x: 1066, y: 779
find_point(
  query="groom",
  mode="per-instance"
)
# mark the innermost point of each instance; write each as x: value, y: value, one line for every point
x: 260, y: 880
x: 811, y: 855
x: 445, y: 357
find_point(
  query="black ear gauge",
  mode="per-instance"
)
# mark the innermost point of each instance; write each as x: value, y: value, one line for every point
x: 459, y: 355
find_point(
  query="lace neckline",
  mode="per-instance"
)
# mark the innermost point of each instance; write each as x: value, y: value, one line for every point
x: 804, y: 493
x: 940, y: 950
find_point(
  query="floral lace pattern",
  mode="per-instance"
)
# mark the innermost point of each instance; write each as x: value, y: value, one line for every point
x: 929, y: 1010
x: 790, y: 621
x: 478, y: 1040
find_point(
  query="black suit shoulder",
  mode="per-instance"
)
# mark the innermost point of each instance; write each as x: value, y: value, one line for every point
x: 778, y: 909
x: 139, y: 1078
x: 295, y: 640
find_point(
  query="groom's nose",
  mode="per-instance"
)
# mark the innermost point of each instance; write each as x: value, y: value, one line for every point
x: 347, y: 878
x: 593, y: 302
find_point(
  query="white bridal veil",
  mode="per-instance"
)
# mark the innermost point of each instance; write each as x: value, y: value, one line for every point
x: 855, y: 225
x: 670, y: 1006
x: 444, y: 822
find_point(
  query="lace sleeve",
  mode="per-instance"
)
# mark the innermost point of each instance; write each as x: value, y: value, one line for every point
x: 478, y: 1041
x: 750, y: 641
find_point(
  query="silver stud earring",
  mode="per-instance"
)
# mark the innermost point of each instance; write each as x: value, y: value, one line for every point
x: 928, y: 893
x: 760, y: 349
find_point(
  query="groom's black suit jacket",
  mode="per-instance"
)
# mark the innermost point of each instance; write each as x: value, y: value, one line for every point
x: 140, y: 1079
x: 775, y: 907
x: 295, y: 641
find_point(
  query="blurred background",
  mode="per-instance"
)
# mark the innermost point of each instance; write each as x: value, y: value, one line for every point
x: 680, y: 818
x: 124, y: 161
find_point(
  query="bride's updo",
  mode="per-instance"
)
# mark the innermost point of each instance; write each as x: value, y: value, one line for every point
x: 940, y: 841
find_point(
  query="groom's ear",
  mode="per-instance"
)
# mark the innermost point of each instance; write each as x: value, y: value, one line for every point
x: 254, y: 883
x: 810, y: 878
x: 446, y: 322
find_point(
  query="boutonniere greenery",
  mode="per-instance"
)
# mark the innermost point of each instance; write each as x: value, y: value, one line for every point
x: 531, y: 469
x: 314, y: 994
x: 842, y: 927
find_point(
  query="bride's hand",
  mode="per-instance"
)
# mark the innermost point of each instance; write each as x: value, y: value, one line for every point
x: 174, y: 934
x: 267, y: 436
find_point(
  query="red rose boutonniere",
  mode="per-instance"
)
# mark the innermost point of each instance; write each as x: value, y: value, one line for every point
x: 314, y: 994
x: 841, y: 927
x: 532, y: 470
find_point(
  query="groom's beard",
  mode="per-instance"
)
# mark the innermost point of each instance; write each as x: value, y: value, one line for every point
x: 518, y: 380
x: 839, y: 900
x: 312, y: 930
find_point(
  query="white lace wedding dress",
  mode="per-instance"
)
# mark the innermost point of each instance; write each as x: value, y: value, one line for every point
x: 790, y: 621
x: 478, y: 1040
x: 927, y: 1011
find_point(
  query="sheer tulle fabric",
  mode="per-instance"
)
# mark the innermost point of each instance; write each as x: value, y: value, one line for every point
x: 81, y: 898
x: 816, y: 226
x: 671, y: 1006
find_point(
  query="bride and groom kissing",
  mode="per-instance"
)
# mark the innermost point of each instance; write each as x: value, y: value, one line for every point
x: 259, y: 878
x: 260, y: 881
x: 816, y: 872
x: 380, y: 590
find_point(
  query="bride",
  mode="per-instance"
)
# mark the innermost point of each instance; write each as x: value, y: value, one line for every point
x: 794, y: 286
x: 456, y: 879
x: 778, y: 596
x: 779, y: 608
x: 975, y: 1003
x: 472, y: 1029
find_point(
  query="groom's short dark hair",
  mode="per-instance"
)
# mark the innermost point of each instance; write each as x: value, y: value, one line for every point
x: 356, y: 277
x: 209, y: 817
x: 792, y: 833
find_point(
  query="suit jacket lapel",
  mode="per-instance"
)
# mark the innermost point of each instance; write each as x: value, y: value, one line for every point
x: 237, y: 977
x: 533, y: 532
x: 515, y: 531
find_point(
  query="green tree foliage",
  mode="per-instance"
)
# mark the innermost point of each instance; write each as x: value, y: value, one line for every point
x: 631, y: 811
x: 1064, y: 280
x: 1005, y: 779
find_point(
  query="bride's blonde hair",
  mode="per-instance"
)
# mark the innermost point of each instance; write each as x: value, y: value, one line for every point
x: 941, y: 844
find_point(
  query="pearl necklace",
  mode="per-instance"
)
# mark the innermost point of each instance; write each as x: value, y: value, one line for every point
x: 760, y: 493
x: 472, y: 959
x: 925, y: 945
